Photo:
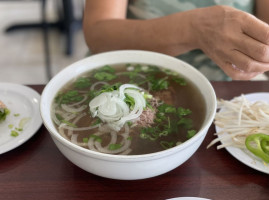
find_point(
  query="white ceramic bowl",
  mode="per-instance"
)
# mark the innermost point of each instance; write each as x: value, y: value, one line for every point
x: 133, y: 166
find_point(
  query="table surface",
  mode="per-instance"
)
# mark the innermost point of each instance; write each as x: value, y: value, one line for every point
x: 37, y: 170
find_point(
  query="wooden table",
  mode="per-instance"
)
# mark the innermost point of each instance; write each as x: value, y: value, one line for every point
x: 37, y: 170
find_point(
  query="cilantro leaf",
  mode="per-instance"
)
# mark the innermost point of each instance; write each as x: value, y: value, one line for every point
x: 165, y: 108
x: 161, y: 84
x: 167, y: 145
x: 104, y: 76
x: 191, y: 133
x: 82, y: 83
x: 183, y: 112
x: 129, y: 101
x: 179, y: 80
x: 68, y: 97
x: 185, y: 122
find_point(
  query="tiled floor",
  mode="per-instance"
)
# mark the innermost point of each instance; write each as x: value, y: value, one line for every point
x: 22, y: 52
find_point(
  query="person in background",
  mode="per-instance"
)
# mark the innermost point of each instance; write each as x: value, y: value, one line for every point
x: 224, y: 39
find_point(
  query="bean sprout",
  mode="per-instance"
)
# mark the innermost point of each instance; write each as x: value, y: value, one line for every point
x: 240, y: 118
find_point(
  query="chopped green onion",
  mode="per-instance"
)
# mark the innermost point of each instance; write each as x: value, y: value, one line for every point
x: 114, y: 146
x: 191, y: 133
x: 23, y: 122
x: 185, y: 122
x: 183, y: 112
x: 19, y: 129
x: 10, y: 126
x: 129, y: 101
x: 96, y: 138
x: 85, y: 140
x: 159, y: 84
x: 180, y: 81
x: 68, y: 97
x: 97, y: 121
x: 82, y: 83
x: 69, y: 123
x: 167, y: 145
x: 3, y: 113
x: 104, y: 76
x: 59, y: 117
x: 14, y: 133
x: 165, y: 108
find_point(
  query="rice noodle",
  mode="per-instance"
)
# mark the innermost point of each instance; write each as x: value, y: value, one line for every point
x: 123, y: 150
x: 238, y: 119
x: 61, y: 131
x: 91, y: 141
x: 98, y: 83
x: 112, y: 109
x: 68, y: 117
x: 53, y: 114
x: 70, y: 131
x: 64, y: 126
x: 126, y: 145
x: 80, y: 102
x: 71, y: 109
x: 74, y: 138
x: 54, y: 118
x: 65, y: 116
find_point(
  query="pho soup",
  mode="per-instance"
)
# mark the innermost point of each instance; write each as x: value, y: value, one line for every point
x: 128, y: 109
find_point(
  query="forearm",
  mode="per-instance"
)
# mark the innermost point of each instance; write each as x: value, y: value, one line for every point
x: 171, y: 35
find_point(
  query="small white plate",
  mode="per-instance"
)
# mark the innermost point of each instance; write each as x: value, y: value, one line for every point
x: 23, y: 101
x: 243, y: 155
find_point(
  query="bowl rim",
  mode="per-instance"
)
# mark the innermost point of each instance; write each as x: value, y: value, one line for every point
x: 127, y: 158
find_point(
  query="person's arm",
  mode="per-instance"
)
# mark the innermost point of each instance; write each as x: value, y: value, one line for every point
x: 106, y: 28
x: 236, y: 41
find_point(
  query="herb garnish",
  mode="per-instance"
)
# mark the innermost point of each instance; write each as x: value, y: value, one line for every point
x: 106, y: 73
x: 68, y: 97
x: 96, y: 138
x: 114, y: 146
x: 165, y: 126
x: 14, y: 133
x: 82, y: 83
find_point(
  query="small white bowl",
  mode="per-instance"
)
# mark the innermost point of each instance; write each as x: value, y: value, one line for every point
x: 128, y: 167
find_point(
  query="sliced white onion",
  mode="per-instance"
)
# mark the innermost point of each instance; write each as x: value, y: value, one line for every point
x: 123, y: 87
x: 99, y: 100
x: 64, y: 126
x: 111, y: 108
x: 69, y: 117
x: 74, y: 138
x: 70, y: 131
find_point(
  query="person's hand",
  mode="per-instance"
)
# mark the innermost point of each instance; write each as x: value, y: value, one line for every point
x: 236, y: 41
